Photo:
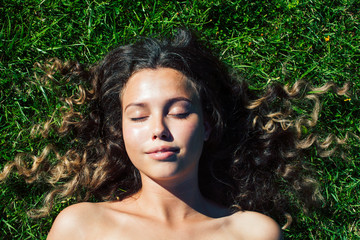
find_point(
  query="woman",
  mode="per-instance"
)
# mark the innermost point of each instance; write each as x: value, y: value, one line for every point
x: 176, y: 148
x: 163, y: 128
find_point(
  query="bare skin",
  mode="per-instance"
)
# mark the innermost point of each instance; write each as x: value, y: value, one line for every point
x: 164, y: 131
x: 126, y: 220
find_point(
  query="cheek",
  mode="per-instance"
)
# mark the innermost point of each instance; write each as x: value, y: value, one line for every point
x: 194, y: 141
x: 193, y: 133
x: 132, y: 136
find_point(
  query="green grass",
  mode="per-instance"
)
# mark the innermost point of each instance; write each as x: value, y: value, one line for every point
x: 265, y: 41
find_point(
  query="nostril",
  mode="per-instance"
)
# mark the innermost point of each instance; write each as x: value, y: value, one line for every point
x: 162, y: 134
x: 160, y: 129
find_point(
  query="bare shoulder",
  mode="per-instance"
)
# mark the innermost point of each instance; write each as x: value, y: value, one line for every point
x: 253, y: 225
x: 74, y: 221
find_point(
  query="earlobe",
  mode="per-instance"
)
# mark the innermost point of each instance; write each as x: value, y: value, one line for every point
x: 207, y: 131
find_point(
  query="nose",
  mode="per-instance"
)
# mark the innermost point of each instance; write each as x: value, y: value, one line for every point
x: 160, y: 129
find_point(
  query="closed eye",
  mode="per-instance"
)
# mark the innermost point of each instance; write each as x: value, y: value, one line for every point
x: 138, y: 119
x: 181, y: 115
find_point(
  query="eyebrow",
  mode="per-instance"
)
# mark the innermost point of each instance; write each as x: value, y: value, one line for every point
x: 170, y: 102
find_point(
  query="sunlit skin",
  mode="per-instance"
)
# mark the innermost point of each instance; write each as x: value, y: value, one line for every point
x: 164, y: 131
x: 163, y: 125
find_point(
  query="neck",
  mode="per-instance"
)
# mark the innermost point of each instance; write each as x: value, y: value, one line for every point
x: 171, y: 201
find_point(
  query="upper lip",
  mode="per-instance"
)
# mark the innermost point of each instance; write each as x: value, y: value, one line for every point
x: 163, y: 149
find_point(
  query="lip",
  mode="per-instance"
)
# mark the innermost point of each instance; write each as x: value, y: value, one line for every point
x: 162, y: 153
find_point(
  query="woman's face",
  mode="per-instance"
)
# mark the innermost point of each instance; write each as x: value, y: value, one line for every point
x: 163, y: 125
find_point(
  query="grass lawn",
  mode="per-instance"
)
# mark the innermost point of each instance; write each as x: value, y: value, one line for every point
x: 265, y: 41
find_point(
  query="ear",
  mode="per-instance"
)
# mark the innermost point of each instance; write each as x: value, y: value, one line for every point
x: 207, y: 131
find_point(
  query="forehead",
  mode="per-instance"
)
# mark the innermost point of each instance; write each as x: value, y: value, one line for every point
x: 157, y: 84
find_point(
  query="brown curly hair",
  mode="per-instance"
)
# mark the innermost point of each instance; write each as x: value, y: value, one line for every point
x: 252, y: 160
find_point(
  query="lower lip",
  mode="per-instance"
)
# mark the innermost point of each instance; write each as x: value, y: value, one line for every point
x: 161, y: 155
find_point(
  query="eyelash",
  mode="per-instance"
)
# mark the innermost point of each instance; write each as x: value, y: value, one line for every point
x: 139, y: 119
x: 180, y: 116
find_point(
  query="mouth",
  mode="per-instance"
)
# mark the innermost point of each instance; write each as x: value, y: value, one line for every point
x: 163, y: 153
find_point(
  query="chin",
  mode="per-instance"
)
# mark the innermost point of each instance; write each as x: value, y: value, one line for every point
x: 171, y: 175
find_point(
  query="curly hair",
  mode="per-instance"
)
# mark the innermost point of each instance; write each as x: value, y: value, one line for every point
x: 253, y: 159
